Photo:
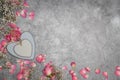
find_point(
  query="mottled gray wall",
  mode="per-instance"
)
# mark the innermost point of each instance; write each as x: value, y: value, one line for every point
x: 85, y: 31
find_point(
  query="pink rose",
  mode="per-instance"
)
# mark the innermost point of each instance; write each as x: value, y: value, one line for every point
x: 40, y: 58
x: 48, y: 69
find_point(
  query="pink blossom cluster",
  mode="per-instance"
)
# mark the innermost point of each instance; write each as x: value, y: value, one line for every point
x: 12, y: 36
x: 26, y: 68
x: 24, y: 13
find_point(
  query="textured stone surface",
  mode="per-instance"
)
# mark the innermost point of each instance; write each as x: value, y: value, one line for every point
x: 85, y: 31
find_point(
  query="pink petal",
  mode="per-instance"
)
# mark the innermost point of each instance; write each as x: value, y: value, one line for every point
x: 33, y: 64
x: 71, y: 71
x: 23, y: 13
x: 19, y: 76
x: 13, y: 25
x: 74, y: 78
x: 117, y: 67
x: 85, y: 76
x: 87, y: 69
x: 3, y: 43
x: 25, y: 3
x: 65, y: 68
x: 117, y: 73
x: 105, y: 74
x: 1, y: 68
x: 97, y: 71
x: 13, y: 67
x: 26, y: 62
x: 82, y: 71
x: 31, y: 15
x: 40, y: 58
x: 17, y: 13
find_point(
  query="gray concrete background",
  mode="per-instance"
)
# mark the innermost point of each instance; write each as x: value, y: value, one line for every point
x: 84, y: 31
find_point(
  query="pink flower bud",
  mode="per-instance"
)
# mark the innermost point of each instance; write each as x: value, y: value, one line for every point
x: 73, y: 64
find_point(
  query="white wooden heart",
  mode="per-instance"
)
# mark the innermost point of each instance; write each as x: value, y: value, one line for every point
x: 24, y: 49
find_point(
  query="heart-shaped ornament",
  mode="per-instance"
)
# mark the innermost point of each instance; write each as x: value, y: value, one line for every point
x: 24, y: 49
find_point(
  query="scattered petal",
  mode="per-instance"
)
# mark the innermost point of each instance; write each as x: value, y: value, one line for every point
x: 117, y: 73
x: 31, y: 15
x: 97, y: 71
x: 26, y: 62
x: 40, y: 58
x: 17, y: 13
x: 23, y: 13
x: 25, y: 4
x: 85, y: 76
x: 64, y: 68
x: 105, y: 74
x: 117, y: 67
x: 82, y: 71
x: 87, y: 69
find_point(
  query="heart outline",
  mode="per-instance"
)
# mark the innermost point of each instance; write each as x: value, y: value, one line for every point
x: 25, y: 36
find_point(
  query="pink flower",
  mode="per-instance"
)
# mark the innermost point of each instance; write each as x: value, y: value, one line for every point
x: 73, y: 75
x: 117, y: 67
x: 33, y: 64
x: 25, y: 3
x: 13, y: 26
x: 27, y: 62
x: 85, y: 76
x: 40, y: 58
x: 48, y: 69
x: 73, y: 64
x: 1, y: 68
x: 97, y: 71
x: 8, y: 64
x: 117, y: 73
x: 71, y: 72
x: 23, y: 13
x: 17, y: 13
x: 3, y: 43
x: 31, y: 15
x: 105, y: 74
x: 12, y: 69
x: 14, y: 35
x: 8, y: 37
x: 65, y: 68
x: 83, y: 71
x: 87, y: 69
x: 74, y: 78
x: 19, y: 76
